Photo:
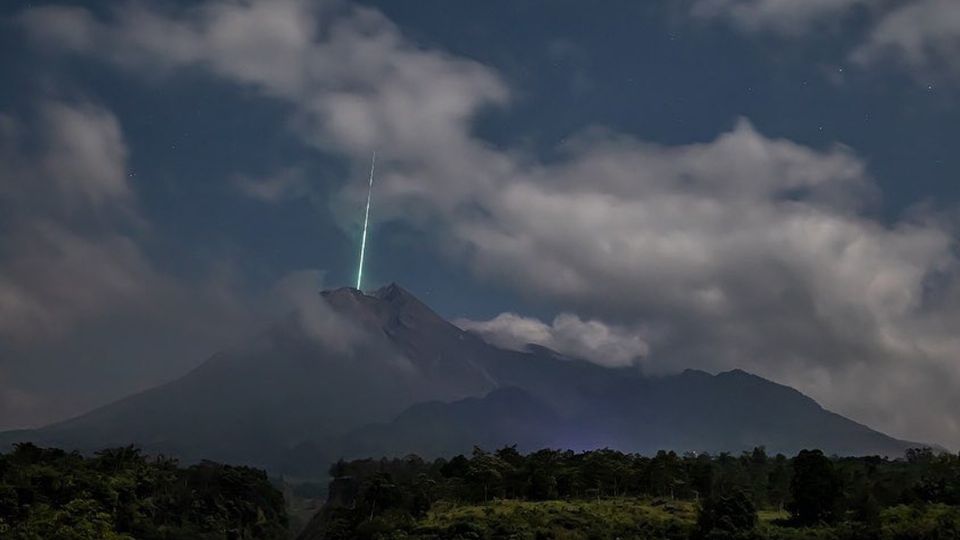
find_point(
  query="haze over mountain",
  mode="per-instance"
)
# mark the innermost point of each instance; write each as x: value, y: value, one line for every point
x: 354, y: 375
x: 710, y: 184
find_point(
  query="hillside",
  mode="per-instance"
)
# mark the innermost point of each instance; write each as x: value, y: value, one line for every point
x: 381, y: 373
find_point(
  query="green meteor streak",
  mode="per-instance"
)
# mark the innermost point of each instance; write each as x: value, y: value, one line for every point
x: 366, y: 219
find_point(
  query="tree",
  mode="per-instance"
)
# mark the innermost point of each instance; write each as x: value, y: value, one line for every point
x: 757, y: 466
x: 730, y: 515
x: 119, y: 494
x: 778, y: 482
x: 456, y: 467
x: 815, y: 489
x: 543, y: 467
x: 605, y: 471
x: 379, y: 493
x: 424, y: 495
x: 486, y: 471
x: 701, y: 473
x: 665, y: 474
x: 515, y: 477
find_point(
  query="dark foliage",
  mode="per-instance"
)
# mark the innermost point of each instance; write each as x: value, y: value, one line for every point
x: 376, y: 498
x: 815, y: 488
x: 121, y: 494
x: 727, y: 516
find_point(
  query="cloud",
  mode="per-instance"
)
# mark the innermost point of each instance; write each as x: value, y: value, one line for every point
x: 85, y: 155
x: 924, y: 36
x: 787, y: 17
x: 299, y: 293
x: 359, y: 84
x: 64, y: 173
x: 589, y: 340
x: 85, y: 313
x: 69, y: 162
x: 288, y: 183
x: 743, y: 251
x: 325, y: 320
x: 58, y: 277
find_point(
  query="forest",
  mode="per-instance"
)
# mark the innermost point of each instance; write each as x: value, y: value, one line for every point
x: 50, y: 494
x: 609, y: 494
x: 120, y: 494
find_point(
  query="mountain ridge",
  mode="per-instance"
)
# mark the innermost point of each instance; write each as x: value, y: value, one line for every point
x: 348, y: 374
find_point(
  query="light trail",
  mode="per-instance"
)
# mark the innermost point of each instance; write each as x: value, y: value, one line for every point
x: 366, y: 220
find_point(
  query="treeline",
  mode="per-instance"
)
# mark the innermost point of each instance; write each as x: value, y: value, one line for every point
x: 120, y: 494
x: 811, y: 489
x: 768, y: 481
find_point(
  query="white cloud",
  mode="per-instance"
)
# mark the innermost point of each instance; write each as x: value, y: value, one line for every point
x: 923, y: 35
x: 84, y: 311
x: 70, y: 161
x: 788, y: 17
x: 603, y: 344
x: 299, y: 292
x: 85, y: 154
x: 744, y: 251
x: 359, y: 83
x: 59, y: 263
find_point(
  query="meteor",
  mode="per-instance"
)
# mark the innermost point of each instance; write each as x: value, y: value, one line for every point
x: 366, y: 220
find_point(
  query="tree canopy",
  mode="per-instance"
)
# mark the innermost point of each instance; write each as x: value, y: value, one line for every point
x: 121, y: 494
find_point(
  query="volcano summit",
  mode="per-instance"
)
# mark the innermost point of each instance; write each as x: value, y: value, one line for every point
x: 356, y: 374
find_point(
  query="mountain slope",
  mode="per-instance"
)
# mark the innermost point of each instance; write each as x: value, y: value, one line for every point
x: 693, y: 411
x: 505, y: 416
x: 310, y: 378
x: 363, y: 374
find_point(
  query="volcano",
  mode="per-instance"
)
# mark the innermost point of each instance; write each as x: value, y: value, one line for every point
x: 380, y: 374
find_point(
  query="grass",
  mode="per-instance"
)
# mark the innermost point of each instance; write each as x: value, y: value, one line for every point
x: 768, y: 516
x: 614, y: 509
x: 639, y: 518
x: 564, y: 520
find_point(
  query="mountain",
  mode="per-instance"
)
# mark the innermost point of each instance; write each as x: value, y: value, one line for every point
x: 354, y: 374
x: 505, y: 416
x: 693, y: 411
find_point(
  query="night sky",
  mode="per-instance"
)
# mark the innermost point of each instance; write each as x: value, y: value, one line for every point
x: 759, y: 184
